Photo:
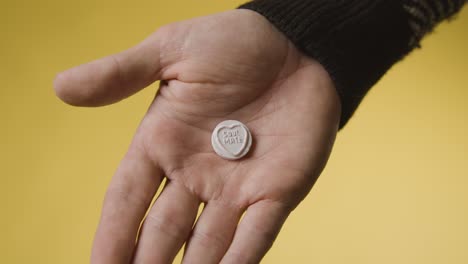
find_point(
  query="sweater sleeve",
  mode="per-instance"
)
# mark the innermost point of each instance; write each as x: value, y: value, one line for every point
x: 356, y: 41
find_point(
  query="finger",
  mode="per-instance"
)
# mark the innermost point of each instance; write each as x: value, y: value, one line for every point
x: 127, y: 199
x: 112, y: 78
x: 167, y: 225
x: 256, y: 233
x: 212, y: 234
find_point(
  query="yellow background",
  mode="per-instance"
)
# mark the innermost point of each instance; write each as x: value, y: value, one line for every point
x: 395, y: 189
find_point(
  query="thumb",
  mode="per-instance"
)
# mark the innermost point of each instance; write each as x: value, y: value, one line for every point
x: 113, y: 78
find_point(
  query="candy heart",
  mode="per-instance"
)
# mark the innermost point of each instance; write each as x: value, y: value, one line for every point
x: 231, y: 139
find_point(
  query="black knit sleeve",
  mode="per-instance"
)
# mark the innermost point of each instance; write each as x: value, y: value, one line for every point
x: 356, y: 41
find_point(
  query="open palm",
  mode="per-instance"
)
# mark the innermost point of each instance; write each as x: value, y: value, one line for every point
x: 232, y: 65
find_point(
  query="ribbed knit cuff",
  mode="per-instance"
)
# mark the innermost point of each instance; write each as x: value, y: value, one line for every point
x: 424, y: 15
x: 356, y: 41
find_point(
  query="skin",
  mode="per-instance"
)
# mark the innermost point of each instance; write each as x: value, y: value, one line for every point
x: 232, y: 65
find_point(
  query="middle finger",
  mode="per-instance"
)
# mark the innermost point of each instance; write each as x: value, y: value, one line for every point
x: 167, y: 225
x: 213, y: 233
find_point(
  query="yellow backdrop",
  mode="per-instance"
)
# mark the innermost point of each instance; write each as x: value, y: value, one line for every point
x: 395, y: 189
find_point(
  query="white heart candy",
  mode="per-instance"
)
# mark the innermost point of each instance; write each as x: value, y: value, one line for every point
x: 231, y: 139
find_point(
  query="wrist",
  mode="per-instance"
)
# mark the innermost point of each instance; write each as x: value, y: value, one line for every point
x: 356, y: 41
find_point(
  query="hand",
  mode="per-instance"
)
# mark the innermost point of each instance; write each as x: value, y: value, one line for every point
x: 233, y: 65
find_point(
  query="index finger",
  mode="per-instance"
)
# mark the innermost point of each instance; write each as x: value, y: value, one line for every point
x: 127, y: 199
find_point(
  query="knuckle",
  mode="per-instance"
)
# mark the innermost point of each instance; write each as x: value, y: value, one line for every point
x: 167, y: 225
x: 237, y: 258
x: 125, y: 196
x: 211, y: 239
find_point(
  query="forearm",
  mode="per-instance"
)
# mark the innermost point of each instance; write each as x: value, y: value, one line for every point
x: 357, y: 41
